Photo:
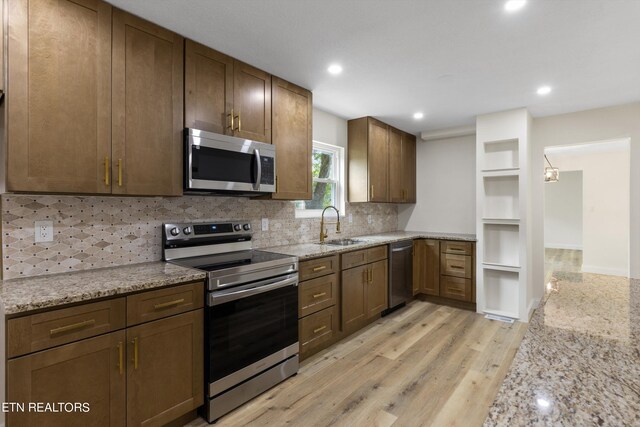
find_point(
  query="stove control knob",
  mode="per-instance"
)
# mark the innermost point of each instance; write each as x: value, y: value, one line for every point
x: 175, y: 231
x: 246, y: 227
x: 187, y: 230
x: 236, y: 227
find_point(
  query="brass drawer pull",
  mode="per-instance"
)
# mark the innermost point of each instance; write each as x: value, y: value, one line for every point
x: 73, y: 327
x: 457, y: 267
x: 321, y: 328
x: 321, y: 294
x: 120, y: 358
x: 457, y: 249
x: 322, y: 267
x: 168, y: 304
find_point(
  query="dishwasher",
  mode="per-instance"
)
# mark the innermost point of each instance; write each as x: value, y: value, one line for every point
x: 400, y: 274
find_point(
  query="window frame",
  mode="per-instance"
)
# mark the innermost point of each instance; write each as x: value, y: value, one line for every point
x: 339, y: 178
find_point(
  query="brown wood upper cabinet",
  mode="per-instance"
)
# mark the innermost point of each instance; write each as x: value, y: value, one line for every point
x: 292, y: 121
x: 382, y: 163
x: 95, y: 102
x: 226, y: 96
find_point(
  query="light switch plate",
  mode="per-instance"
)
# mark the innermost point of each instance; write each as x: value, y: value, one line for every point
x: 350, y: 219
x: 369, y: 219
x: 265, y: 224
x: 44, y: 231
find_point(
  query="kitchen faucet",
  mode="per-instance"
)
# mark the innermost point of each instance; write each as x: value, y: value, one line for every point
x: 323, y: 231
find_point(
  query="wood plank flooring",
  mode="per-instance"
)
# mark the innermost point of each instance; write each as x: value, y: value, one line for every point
x: 424, y: 365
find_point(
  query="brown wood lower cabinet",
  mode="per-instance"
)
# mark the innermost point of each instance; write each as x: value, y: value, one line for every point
x: 354, y: 294
x: 148, y: 374
x: 91, y: 370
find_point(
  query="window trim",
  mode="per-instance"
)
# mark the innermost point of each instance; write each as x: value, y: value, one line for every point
x: 339, y: 179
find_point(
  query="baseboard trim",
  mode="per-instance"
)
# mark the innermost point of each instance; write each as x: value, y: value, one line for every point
x: 532, y: 306
x: 604, y: 270
x: 562, y: 246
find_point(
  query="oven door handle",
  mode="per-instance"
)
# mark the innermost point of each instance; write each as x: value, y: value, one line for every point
x: 256, y: 185
x: 266, y: 286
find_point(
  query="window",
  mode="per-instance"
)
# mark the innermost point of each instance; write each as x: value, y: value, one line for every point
x: 327, y: 187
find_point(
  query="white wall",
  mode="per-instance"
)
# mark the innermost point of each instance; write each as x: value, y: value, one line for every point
x: 446, y: 195
x: 587, y: 126
x: 606, y: 202
x: 329, y: 129
x: 563, y: 210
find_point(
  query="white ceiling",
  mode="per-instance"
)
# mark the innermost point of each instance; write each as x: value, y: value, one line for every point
x: 451, y: 59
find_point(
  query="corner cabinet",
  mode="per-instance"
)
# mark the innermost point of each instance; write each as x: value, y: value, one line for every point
x: 94, y: 101
x: 140, y: 369
x: 226, y: 96
x: 382, y: 162
x: 292, y: 134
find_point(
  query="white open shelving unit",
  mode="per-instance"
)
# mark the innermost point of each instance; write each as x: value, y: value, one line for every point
x: 502, y: 213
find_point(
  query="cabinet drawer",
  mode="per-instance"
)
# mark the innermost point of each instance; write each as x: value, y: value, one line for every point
x: 354, y: 259
x: 317, y: 328
x: 455, y: 288
x: 317, y: 294
x: 318, y: 267
x: 152, y: 305
x: 377, y: 253
x: 459, y: 248
x: 456, y: 265
x: 52, y: 328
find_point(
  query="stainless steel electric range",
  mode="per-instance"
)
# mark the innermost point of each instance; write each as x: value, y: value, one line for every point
x: 251, y: 317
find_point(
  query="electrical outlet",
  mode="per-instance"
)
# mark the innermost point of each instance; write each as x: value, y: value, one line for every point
x: 369, y: 219
x: 350, y: 219
x: 44, y: 231
x: 265, y: 224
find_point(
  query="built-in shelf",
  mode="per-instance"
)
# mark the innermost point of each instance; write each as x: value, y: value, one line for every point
x: 506, y: 221
x: 501, y: 244
x: 501, y: 172
x: 501, y: 292
x: 501, y: 267
x: 501, y: 155
x: 501, y: 197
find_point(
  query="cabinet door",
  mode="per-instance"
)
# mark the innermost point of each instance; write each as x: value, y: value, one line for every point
x: 431, y: 268
x: 165, y: 369
x: 354, y: 289
x: 251, y: 103
x: 378, y: 155
x: 409, y: 167
x: 396, y: 166
x: 292, y: 117
x: 59, y: 110
x: 208, y: 89
x: 378, y: 289
x: 147, y: 108
x: 91, y: 371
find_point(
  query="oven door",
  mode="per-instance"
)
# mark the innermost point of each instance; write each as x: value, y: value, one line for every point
x: 225, y: 163
x: 250, y: 328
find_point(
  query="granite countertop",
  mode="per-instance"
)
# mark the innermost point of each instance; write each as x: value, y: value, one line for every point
x: 579, y: 361
x: 34, y: 293
x: 314, y: 250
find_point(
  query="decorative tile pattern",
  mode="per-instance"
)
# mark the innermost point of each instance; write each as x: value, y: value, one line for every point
x: 94, y: 232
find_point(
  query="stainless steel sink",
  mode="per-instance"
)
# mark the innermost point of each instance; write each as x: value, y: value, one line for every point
x: 342, y: 242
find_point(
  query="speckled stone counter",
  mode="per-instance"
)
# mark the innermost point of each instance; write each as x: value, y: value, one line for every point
x: 579, y: 362
x: 34, y: 293
x: 314, y: 250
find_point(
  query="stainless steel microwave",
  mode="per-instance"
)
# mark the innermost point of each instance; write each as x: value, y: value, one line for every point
x: 215, y: 163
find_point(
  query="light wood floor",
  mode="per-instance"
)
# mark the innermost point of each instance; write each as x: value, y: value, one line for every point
x: 425, y: 365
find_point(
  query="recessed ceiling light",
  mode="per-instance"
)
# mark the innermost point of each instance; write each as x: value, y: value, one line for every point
x: 544, y: 90
x: 334, y: 69
x: 418, y: 115
x: 514, y: 5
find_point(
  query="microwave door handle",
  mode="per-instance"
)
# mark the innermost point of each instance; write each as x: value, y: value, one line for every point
x: 256, y: 185
x: 232, y: 296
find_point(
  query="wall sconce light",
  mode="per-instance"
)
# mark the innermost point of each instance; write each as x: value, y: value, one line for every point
x: 551, y: 174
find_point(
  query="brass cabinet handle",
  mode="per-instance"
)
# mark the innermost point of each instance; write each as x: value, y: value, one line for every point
x: 120, y: 357
x: 135, y: 352
x: 168, y: 304
x: 238, y: 117
x: 119, y: 172
x: 231, y: 116
x: 315, y: 331
x: 322, y: 267
x: 371, y: 276
x: 239, y: 121
x: 106, y: 171
x: 321, y: 294
x: 72, y: 327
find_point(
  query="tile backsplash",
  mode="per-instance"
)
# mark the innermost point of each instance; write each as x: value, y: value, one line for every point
x: 93, y: 232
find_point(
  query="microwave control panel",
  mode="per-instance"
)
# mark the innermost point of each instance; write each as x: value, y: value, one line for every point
x: 268, y: 170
